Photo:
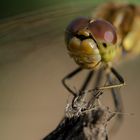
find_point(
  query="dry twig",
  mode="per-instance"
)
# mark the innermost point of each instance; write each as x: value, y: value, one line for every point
x: 85, y: 119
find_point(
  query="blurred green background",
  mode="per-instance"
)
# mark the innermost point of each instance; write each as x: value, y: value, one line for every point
x: 33, y: 60
x: 14, y: 7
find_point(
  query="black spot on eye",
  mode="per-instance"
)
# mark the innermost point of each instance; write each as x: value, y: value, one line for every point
x: 104, y: 44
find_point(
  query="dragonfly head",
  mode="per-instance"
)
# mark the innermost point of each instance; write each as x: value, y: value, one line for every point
x: 91, y: 42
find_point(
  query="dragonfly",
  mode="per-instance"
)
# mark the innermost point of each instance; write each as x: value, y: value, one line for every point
x: 22, y: 36
x: 97, y: 43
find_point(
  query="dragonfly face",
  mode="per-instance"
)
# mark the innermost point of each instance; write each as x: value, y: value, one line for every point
x: 91, y: 42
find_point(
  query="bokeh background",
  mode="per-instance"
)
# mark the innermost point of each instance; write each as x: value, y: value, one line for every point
x: 33, y: 60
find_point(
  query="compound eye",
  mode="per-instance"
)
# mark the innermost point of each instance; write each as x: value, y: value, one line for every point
x: 103, y: 30
x: 77, y: 24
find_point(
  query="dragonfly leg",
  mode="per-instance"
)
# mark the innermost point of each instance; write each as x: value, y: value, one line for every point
x: 87, y: 81
x: 96, y: 93
x: 72, y: 74
x: 98, y: 81
x: 117, y: 103
x: 69, y: 76
x: 118, y: 77
x: 83, y: 87
x: 111, y: 85
x: 116, y: 96
x: 99, y: 78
